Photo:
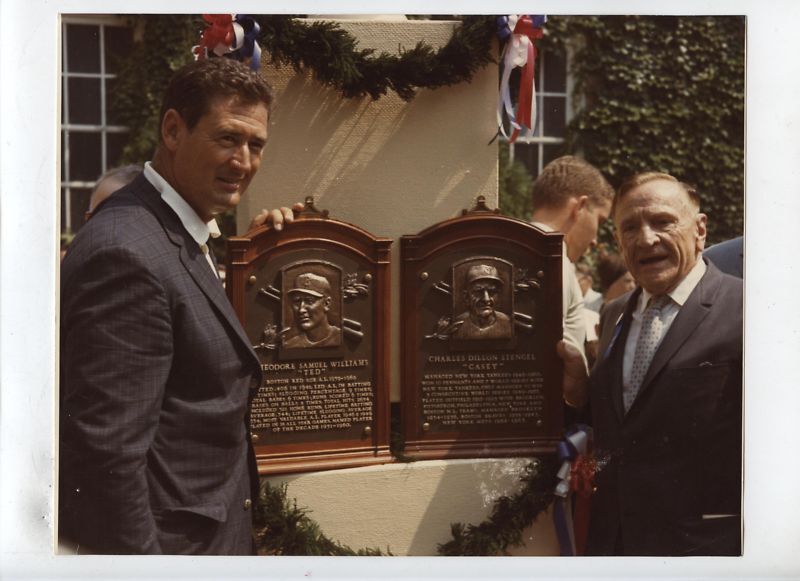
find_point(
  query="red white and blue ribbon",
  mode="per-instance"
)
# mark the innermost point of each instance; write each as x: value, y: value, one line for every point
x: 575, y: 487
x: 520, y: 31
x: 235, y: 35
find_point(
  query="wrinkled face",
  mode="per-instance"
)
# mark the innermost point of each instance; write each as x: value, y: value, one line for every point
x: 214, y: 162
x: 309, y: 311
x: 619, y: 287
x: 583, y: 233
x: 482, y: 297
x: 660, y: 233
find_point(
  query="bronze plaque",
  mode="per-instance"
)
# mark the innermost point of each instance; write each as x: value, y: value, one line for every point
x: 481, y: 315
x: 314, y: 301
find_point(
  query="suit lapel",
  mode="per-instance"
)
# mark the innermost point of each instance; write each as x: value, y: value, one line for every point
x: 608, y: 372
x: 617, y: 354
x: 192, y: 258
x: 691, y: 314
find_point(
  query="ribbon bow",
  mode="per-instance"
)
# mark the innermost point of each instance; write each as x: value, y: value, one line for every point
x: 576, y: 475
x: 232, y: 34
x: 520, y: 31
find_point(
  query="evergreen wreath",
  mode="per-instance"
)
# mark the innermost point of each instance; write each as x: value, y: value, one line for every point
x: 332, y: 54
x: 283, y: 528
x: 510, y: 515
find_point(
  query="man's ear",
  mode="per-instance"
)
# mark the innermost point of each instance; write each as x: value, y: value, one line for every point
x: 576, y: 205
x: 701, y: 223
x: 327, y: 303
x: 172, y: 126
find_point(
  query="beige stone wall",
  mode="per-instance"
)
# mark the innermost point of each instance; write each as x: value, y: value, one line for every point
x: 409, y: 507
x: 392, y: 168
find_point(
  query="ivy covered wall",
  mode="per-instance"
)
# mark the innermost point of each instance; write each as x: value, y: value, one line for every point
x: 662, y: 93
x: 653, y: 93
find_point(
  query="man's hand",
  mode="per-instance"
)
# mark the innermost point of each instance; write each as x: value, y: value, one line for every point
x: 275, y: 217
x: 575, y: 377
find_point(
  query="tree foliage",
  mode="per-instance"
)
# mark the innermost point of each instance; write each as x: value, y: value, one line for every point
x: 162, y: 45
x: 665, y: 94
x: 515, y: 184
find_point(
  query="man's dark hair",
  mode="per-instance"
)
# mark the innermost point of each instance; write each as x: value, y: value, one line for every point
x: 610, y: 268
x: 194, y: 87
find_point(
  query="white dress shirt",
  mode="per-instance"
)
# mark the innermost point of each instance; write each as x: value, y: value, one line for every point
x: 572, y: 307
x: 198, y: 230
x: 668, y: 313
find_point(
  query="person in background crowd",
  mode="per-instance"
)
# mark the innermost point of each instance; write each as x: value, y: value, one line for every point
x: 156, y: 370
x: 666, y: 394
x: 615, y: 280
x: 571, y: 196
x: 592, y: 301
x: 728, y: 256
x: 111, y: 181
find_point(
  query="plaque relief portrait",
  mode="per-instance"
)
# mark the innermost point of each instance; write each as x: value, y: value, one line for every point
x: 312, y: 310
x: 482, y: 300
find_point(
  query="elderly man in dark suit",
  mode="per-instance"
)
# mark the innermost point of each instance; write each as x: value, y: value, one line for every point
x: 156, y: 371
x: 666, y: 392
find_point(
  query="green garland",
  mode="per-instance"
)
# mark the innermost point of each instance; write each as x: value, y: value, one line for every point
x: 334, y: 57
x: 283, y: 528
x: 510, y: 516
x: 164, y: 41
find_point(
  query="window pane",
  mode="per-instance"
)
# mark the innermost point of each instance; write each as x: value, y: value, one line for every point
x: 115, y: 142
x: 552, y: 151
x: 84, y: 101
x: 63, y: 156
x: 84, y: 156
x: 528, y: 155
x: 83, y: 48
x: 554, y: 116
x: 63, y: 210
x: 538, y: 121
x: 555, y: 72
x: 79, y: 204
x: 111, y: 118
x: 118, y: 44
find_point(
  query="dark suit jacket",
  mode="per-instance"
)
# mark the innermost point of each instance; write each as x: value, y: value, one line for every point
x: 728, y: 256
x: 156, y: 377
x: 675, y: 457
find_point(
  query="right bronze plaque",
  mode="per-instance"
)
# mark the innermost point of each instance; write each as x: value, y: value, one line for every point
x: 481, y: 316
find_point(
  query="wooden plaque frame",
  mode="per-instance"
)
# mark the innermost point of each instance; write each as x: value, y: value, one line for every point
x: 430, y: 262
x: 358, y: 263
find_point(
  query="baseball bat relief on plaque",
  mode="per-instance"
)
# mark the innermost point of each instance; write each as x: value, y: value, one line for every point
x: 314, y: 301
x: 481, y: 317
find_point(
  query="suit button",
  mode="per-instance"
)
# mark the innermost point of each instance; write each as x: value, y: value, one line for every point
x: 254, y: 437
x: 247, y: 504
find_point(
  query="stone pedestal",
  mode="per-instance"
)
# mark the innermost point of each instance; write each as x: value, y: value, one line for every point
x: 388, y: 166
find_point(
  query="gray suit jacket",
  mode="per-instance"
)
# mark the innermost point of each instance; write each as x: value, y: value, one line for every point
x: 672, y: 465
x: 156, y: 379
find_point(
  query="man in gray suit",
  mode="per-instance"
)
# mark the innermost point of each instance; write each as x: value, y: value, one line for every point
x: 666, y: 392
x: 156, y: 371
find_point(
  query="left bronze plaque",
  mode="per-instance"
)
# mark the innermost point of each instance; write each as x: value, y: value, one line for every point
x: 314, y: 301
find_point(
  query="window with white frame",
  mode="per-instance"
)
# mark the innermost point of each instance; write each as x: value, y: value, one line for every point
x: 91, y: 139
x: 535, y: 149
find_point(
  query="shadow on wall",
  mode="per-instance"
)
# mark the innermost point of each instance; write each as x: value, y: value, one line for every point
x: 466, y: 493
x: 367, y: 161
